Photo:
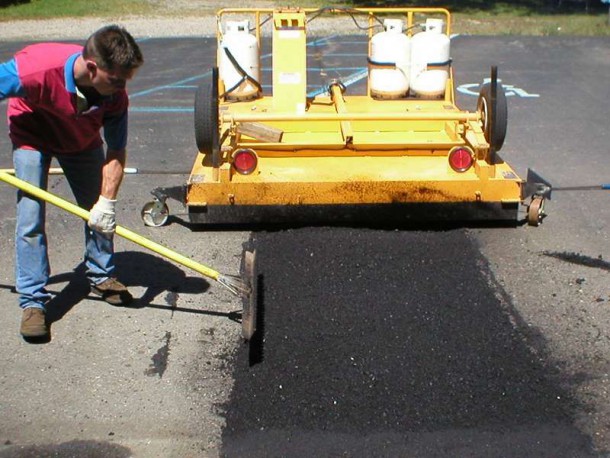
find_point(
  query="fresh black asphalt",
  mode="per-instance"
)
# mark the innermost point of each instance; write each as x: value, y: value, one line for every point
x: 376, y: 331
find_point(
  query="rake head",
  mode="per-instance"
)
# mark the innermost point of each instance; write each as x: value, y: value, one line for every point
x: 246, y: 287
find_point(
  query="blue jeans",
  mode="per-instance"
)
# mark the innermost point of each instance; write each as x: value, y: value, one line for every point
x: 84, y: 174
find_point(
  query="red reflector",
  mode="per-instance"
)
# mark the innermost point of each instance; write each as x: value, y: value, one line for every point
x: 460, y: 159
x: 245, y: 161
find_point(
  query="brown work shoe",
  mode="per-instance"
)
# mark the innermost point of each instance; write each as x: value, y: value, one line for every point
x: 33, y: 323
x: 113, y: 291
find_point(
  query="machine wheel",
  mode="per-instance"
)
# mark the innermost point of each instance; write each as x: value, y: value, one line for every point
x: 494, y: 127
x: 155, y: 213
x: 535, y: 211
x: 207, y: 120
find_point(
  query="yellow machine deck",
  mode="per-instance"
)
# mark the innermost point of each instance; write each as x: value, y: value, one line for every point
x: 403, y: 150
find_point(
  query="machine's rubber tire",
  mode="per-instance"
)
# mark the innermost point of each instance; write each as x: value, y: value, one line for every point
x: 206, y: 118
x: 535, y: 211
x: 493, y: 127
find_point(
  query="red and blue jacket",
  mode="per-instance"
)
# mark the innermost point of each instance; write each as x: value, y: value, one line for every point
x: 43, y: 113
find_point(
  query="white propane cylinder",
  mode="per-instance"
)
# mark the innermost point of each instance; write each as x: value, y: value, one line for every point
x: 389, y: 61
x: 430, y: 48
x: 243, y: 46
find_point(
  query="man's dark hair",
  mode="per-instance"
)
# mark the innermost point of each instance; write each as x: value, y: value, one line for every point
x: 112, y: 47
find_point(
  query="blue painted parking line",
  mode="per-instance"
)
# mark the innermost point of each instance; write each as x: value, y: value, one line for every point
x: 169, y: 86
x: 321, y: 41
x: 351, y: 79
x: 161, y: 110
x: 346, y: 54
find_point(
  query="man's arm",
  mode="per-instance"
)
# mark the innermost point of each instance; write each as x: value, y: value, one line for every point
x: 115, y: 134
x: 102, y: 218
x: 112, y: 173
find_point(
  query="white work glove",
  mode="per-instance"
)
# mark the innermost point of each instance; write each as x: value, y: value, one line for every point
x: 102, y: 216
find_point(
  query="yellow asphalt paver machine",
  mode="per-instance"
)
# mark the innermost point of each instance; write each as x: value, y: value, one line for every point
x: 401, y: 150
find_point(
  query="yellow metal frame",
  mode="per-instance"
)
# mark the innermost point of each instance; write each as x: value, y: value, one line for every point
x: 337, y: 149
x: 289, y: 72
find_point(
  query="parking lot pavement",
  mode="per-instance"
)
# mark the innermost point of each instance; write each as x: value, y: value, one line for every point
x: 168, y: 379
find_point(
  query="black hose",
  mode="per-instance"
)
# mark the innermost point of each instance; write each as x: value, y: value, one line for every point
x: 242, y: 72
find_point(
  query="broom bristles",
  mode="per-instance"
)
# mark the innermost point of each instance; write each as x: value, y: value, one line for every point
x: 235, y: 284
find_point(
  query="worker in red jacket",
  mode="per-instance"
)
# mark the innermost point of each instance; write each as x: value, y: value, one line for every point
x: 60, y: 98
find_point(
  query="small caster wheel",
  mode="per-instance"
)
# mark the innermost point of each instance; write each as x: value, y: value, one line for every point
x: 155, y: 213
x: 535, y: 211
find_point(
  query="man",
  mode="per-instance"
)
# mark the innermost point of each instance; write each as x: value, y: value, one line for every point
x: 61, y: 96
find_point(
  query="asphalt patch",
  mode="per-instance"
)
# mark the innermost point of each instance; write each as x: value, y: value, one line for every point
x: 385, y: 332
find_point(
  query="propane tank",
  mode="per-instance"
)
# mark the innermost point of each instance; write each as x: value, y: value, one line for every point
x: 430, y: 60
x: 243, y: 48
x: 389, y: 61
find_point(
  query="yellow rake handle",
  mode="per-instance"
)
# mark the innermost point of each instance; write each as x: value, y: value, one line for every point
x: 120, y: 230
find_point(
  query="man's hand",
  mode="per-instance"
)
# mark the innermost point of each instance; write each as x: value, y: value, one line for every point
x: 102, y: 216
